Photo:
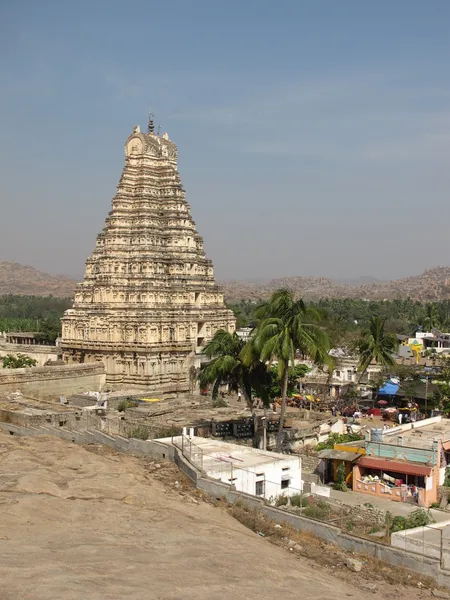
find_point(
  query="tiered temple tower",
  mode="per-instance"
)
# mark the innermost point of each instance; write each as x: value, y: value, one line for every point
x: 148, y: 302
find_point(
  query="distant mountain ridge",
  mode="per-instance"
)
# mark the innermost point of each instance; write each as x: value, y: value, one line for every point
x: 432, y: 284
x: 28, y: 281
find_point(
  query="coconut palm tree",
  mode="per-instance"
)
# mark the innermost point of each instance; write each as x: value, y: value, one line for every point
x: 432, y: 318
x: 287, y: 325
x: 376, y: 345
x: 226, y: 366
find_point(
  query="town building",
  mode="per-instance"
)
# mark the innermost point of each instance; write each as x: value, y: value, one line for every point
x: 406, y: 463
x: 149, y: 302
x: 252, y: 471
x: 244, y: 333
x: 344, y: 375
x: 435, y: 340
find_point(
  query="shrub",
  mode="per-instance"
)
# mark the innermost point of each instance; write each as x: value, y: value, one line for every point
x: 281, y: 500
x: 317, y: 509
x: 337, y: 438
x: 139, y: 432
x: 128, y: 403
x: 17, y: 362
x: 315, y: 512
x: 166, y: 432
x: 418, y: 518
x: 219, y: 403
x: 340, y: 478
x: 297, y: 500
x: 398, y: 524
x: 375, y: 529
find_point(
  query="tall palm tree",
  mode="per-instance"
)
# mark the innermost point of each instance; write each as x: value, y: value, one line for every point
x: 226, y: 366
x: 287, y: 325
x: 377, y: 345
x: 432, y: 318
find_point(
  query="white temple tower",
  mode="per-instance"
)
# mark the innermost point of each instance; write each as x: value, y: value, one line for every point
x: 149, y: 301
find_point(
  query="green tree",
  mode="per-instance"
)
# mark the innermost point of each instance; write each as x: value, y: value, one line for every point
x: 376, y: 345
x: 295, y: 374
x: 17, y: 362
x: 226, y: 366
x: 431, y: 319
x: 286, y: 326
x: 48, y: 330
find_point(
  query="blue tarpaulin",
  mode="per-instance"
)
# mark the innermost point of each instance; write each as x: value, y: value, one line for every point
x: 388, y: 389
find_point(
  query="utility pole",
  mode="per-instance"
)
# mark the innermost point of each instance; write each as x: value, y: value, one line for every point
x: 264, y: 420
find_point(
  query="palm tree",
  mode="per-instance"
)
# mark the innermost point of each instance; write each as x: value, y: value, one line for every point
x: 376, y: 345
x: 287, y: 325
x: 432, y: 317
x: 226, y: 366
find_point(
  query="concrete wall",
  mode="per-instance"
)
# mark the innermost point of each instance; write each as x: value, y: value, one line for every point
x: 42, y: 382
x: 432, y: 541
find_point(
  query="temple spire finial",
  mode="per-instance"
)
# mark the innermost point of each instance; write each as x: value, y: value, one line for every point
x: 151, y: 124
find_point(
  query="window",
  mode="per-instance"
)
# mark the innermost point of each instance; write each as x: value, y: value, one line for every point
x: 349, y: 375
x: 337, y: 373
x: 285, y: 483
x: 259, y: 488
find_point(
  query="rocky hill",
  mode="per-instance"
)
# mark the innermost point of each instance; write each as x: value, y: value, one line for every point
x: 22, y: 280
x: 433, y: 284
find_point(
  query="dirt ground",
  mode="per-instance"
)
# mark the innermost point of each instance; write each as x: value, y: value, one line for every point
x: 85, y: 522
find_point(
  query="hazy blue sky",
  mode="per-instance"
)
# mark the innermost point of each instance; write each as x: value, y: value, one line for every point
x: 314, y: 136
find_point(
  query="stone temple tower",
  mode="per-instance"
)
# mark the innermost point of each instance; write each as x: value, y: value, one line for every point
x: 148, y: 302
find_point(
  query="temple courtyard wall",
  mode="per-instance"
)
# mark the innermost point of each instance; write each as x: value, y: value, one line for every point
x: 40, y: 353
x: 48, y: 382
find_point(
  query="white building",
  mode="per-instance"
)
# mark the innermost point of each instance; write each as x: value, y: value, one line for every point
x: 344, y: 374
x: 434, y: 340
x: 252, y: 471
x: 244, y: 333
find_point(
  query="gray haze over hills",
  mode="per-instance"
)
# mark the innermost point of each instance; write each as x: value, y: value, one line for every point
x: 433, y: 284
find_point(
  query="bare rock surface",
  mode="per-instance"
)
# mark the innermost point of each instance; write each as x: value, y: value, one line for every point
x: 85, y: 522
x: 77, y: 523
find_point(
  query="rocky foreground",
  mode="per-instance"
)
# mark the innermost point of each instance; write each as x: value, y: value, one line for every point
x: 88, y: 523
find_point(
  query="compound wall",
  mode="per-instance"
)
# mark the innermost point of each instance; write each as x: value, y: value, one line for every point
x: 52, y: 382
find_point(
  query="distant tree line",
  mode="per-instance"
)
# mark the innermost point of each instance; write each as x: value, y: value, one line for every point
x: 39, y: 314
x: 345, y: 318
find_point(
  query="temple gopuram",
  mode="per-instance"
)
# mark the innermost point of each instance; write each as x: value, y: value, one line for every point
x: 149, y: 302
